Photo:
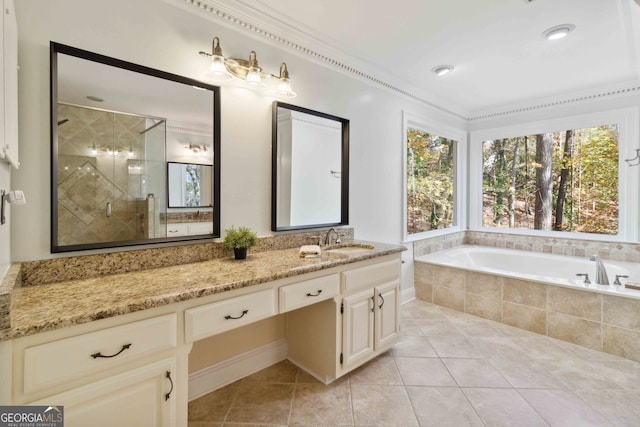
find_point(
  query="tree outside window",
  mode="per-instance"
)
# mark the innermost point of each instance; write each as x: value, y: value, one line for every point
x: 430, y: 181
x: 562, y: 181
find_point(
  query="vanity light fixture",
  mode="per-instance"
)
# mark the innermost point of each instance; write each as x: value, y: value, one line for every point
x: 558, y: 32
x: 247, y: 71
x: 197, y: 148
x: 441, y: 70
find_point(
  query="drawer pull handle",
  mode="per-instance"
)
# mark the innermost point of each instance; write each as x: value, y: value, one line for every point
x: 228, y: 316
x: 382, y: 303
x: 318, y: 292
x: 98, y: 354
x: 166, y: 396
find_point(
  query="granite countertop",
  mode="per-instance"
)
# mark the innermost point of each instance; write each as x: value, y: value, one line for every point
x: 52, y: 306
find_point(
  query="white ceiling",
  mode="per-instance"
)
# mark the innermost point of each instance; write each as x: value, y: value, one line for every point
x: 501, y: 59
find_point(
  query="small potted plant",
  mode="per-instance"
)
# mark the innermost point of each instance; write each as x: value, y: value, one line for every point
x: 239, y: 240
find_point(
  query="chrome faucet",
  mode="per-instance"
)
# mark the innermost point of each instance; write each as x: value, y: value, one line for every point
x: 327, y: 240
x: 601, y: 271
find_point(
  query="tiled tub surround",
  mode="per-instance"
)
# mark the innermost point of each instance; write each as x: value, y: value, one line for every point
x: 602, y: 318
x: 616, y: 251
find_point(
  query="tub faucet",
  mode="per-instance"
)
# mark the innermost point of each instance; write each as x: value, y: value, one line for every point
x: 601, y: 271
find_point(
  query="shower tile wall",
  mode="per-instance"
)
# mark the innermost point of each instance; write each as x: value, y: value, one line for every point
x: 87, y: 181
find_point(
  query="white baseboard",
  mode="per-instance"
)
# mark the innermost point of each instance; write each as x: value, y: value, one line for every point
x: 407, y: 295
x: 223, y: 373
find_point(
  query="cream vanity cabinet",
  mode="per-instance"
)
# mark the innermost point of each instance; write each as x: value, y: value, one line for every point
x: 132, y: 370
x: 371, y: 310
x: 330, y: 338
x: 119, y: 375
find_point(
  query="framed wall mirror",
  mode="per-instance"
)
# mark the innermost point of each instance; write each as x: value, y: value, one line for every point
x: 310, y: 169
x: 116, y: 127
x: 189, y: 185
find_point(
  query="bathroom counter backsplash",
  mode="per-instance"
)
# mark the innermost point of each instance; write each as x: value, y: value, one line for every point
x: 51, y: 306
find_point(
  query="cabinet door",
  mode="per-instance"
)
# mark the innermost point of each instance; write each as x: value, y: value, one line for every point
x: 387, y: 314
x: 135, y: 398
x: 357, y: 327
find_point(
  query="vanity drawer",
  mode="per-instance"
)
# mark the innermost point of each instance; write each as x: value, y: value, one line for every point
x: 308, y: 292
x: 53, y: 363
x: 217, y: 317
x: 371, y: 275
x: 175, y: 230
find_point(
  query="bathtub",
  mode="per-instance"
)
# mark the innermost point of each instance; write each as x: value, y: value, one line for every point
x: 537, y: 267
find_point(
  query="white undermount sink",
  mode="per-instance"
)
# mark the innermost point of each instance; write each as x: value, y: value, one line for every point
x: 349, y: 248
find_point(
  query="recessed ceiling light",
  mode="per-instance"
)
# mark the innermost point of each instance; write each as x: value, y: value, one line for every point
x: 95, y: 98
x: 558, y: 32
x: 441, y: 70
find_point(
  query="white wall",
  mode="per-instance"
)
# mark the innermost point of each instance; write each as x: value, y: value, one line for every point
x: 163, y: 36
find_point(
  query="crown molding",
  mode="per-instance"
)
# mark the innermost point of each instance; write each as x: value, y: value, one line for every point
x: 258, y: 20
x: 629, y: 88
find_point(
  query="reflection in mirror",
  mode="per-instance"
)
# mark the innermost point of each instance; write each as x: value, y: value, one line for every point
x: 310, y: 175
x: 114, y: 127
x: 189, y: 185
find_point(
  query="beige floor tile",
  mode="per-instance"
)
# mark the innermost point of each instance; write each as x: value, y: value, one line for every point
x: 306, y: 378
x: 619, y: 407
x: 450, y: 313
x: 625, y: 373
x: 442, y: 407
x: 454, y: 346
x: 416, y: 379
x: 412, y: 346
x: 320, y: 405
x: 503, y: 407
x: 426, y: 312
x: 563, y: 408
x: 424, y: 371
x: 499, y: 347
x: 381, y: 370
x: 475, y: 327
x: 512, y: 331
x: 475, y: 373
x: 262, y: 403
x: 541, y: 347
x: 213, y: 407
x: 378, y: 405
x: 432, y: 328
x: 525, y: 373
x: 578, y: 374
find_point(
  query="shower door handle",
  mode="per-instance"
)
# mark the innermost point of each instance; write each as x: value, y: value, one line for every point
x: 108, y: 209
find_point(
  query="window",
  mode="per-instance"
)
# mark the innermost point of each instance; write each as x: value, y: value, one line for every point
x: 562, y: 181
x: 431, y: 178
x: 572, y: 180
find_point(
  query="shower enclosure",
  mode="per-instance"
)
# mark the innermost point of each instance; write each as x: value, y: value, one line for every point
x: 111, y: 176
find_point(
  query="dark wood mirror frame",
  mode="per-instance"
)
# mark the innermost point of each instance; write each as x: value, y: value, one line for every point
x: 57, y: 48
x: 344, y: 186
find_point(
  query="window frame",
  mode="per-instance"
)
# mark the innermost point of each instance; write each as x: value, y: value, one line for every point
x: 423, y: 124
x: 628, y: 123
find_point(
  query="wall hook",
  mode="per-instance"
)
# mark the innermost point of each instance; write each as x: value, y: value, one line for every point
x: 636, y: 159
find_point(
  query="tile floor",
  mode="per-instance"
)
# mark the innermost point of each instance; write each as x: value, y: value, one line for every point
x: 449, y: 369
